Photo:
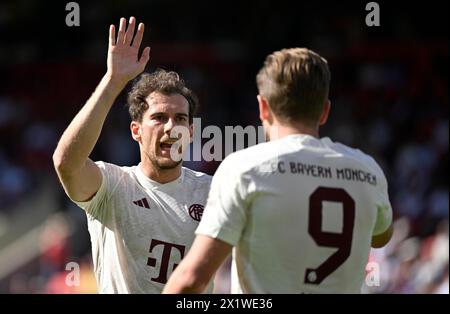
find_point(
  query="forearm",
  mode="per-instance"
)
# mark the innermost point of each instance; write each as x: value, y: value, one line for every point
x: 199, y: 266
x: 184, y: 281
x: 80, y: 137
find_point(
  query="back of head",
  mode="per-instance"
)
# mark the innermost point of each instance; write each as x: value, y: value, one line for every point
x: 295, y: 83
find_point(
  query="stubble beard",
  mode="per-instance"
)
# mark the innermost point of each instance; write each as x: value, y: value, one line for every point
x: 165, y: 164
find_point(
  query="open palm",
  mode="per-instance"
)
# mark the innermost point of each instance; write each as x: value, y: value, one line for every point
x: 123, y: 53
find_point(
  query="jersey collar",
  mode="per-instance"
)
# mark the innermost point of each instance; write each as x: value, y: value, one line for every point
x: 152, y: 184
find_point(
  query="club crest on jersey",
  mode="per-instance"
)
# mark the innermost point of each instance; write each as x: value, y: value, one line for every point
x: 196, y: 211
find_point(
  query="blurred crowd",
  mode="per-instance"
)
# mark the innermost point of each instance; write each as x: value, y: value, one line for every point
x: 389, y: 98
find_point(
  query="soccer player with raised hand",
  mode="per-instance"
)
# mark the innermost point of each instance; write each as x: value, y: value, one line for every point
x: 141, y: 218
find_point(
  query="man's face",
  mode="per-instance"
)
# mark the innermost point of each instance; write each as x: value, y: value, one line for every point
x: 154, y: 132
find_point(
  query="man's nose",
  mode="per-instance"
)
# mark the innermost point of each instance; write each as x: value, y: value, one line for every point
x: 168, y: 126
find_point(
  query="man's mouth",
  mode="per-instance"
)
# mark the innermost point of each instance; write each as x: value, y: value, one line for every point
x: 165, y: 146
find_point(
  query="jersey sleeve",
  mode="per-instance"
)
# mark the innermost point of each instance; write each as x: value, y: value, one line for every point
x: 111, y: 176
x: 383, y: 207
x: 225, y: 213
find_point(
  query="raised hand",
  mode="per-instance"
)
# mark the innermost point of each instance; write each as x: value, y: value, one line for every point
x: 124, y: 63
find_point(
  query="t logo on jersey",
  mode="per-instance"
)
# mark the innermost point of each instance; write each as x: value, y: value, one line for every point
x: 165, y: 259
x: 196, y: 211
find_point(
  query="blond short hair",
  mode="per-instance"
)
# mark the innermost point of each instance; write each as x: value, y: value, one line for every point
x: 295, y: 83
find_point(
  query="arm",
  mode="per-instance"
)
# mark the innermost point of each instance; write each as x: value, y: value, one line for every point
x: 378, y: 241
x: 197, y: 268
x: 220, y: 228
x: 80, y: 176
x: 383, y: 228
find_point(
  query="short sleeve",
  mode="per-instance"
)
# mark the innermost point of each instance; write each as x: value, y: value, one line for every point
x: 111, y: 176
x: 225, y: 213
x: 383, y: 207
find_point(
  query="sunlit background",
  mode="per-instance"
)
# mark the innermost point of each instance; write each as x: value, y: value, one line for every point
x: 389, y: 98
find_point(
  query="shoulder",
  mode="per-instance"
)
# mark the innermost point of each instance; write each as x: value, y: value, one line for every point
x: 357, y: 156
x: 109, y: 169
x: 256, y: 158
x: 197, y: 176
x: 260, y: 151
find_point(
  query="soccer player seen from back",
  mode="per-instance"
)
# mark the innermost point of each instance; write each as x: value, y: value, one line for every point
x: 299, y: 211
x: 141, y: 219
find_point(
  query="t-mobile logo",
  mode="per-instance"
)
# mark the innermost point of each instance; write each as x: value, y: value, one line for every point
x: 165, y: 259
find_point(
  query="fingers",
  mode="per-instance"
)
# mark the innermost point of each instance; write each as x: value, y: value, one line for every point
x: 130, y: 31
x: 145, y: 56
x: 112, y: 35
x: 125, y: 35
x: 121, y: 34
x: 138, y: 38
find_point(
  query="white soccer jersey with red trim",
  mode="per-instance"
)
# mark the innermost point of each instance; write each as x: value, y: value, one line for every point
x: 300, y: 212
x: 141, y: 229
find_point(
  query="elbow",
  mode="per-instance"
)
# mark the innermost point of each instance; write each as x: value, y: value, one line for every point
x: 60, y: 163
x: 381, y: 240
x: 378, y: 244
x: 58, y: 160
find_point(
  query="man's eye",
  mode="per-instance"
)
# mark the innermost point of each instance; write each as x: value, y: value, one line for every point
x: 182, y: 119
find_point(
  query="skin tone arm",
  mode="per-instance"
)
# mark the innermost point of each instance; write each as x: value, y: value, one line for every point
x: 381, y: 240
x: 80, y: 176
x: 198, y: 267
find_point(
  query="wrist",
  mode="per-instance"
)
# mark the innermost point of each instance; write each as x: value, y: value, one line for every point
x: 114, y: 82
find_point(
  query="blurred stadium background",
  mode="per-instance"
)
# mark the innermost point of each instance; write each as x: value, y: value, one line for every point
x: 389, y: 95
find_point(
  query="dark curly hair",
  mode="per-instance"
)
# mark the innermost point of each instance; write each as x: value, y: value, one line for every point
x: 161, y: 81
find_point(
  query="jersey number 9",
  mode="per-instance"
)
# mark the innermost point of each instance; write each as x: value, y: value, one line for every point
x: 342, y: 241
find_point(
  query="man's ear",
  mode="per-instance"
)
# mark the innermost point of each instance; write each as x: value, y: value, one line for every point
x: 265, y: 114
x: 325, y: 112
x: 135, y: 128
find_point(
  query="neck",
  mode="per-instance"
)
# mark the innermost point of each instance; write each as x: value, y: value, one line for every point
x: 157, y: 174
x: 279, y: 130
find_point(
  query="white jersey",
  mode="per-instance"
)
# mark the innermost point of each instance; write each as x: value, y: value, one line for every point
x: 300, y: 213
x: 141, y: 229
